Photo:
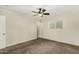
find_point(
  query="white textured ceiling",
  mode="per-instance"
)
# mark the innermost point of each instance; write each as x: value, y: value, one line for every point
x: 27, y: 9
x: 54, y: 10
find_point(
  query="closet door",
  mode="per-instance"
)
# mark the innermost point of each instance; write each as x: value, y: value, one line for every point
x: 2, y: 31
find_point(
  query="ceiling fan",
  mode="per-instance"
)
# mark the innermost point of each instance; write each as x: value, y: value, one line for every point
x: 40, y: 12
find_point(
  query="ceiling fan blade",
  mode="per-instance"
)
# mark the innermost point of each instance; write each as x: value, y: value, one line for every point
x: 46, y: 13
x: 44, y: 10
x: 34, y: 12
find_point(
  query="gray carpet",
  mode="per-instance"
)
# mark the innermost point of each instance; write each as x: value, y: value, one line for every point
x: 41, y: 46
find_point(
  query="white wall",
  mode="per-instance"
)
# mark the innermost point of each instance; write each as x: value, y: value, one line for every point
x: 21, y: 28
x: 70, y: 32
x: 18, y: 28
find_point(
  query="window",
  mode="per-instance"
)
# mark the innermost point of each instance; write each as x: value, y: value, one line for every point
x: 59, y: 24
x: 56, y: 24
x: 52, y: 25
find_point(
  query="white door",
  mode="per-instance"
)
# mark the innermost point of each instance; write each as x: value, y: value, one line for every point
x: 2, y: 32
